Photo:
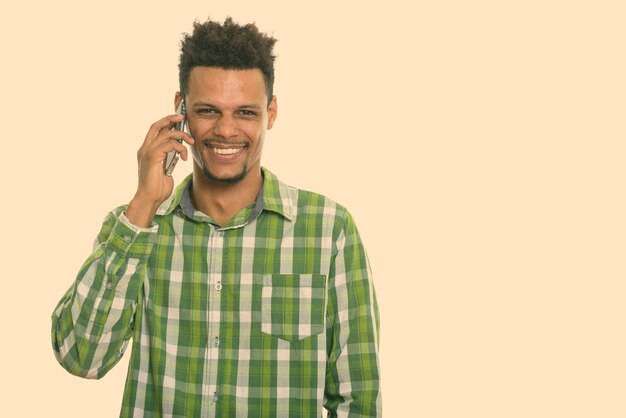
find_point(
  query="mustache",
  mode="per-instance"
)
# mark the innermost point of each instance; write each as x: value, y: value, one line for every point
x: 215, y: 140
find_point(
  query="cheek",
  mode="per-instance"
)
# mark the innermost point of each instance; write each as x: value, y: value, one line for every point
x: 253, y: 131
x: 200, y: 128
x: 254, y: 134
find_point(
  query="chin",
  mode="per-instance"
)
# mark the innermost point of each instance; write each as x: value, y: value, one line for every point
x: 225, y: 179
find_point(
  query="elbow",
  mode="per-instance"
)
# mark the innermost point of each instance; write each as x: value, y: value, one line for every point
x: 82, y: 360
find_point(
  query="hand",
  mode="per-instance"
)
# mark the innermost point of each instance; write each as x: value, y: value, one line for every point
x: 154, y: 186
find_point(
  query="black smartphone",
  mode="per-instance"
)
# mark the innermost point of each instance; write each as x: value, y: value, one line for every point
x: 172, y: 157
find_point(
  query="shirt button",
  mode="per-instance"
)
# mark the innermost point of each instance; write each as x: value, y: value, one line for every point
x: 218, y: 286
x: 109, y: 285
x: 214, y: 397
x: 220, y: 233
x: 216, y: 342
x: 126, y: 238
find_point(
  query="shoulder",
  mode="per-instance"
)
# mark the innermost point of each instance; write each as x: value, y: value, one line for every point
x: 315, y: 213
x: 296, y: 202
x: 309, y: 202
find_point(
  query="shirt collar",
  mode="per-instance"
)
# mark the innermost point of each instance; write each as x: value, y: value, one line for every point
x: 274, y: 197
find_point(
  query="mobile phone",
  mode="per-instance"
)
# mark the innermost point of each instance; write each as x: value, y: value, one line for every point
x: 172, y: 157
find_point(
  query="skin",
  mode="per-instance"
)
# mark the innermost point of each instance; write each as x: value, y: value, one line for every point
x: 227, y: 110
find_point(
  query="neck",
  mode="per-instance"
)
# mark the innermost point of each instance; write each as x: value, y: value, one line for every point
x: 222, y: 201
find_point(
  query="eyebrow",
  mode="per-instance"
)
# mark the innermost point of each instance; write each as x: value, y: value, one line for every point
x: 245, y: 106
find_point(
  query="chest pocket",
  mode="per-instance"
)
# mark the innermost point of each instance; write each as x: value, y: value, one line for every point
x: 292, y: 305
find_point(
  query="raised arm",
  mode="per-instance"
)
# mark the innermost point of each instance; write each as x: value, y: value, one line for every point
x: 93, y: 322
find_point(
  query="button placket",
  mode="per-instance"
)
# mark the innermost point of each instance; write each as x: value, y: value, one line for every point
x: 214, y: 260
x: 218, y: 284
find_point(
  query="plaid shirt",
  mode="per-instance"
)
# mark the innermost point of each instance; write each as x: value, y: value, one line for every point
x: 270, y: 315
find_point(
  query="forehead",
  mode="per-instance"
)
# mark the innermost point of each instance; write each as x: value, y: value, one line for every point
x: 219, y: 84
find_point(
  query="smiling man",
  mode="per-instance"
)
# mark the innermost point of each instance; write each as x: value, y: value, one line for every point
x: 243, y: 297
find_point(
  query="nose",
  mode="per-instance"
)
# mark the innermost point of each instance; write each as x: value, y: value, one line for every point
x: 225, y: 126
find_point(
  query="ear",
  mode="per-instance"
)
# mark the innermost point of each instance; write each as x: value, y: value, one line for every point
x: 272, y: 111
x: 177, y: 99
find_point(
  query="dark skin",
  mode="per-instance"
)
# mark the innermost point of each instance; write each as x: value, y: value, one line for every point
x: 228, y: 115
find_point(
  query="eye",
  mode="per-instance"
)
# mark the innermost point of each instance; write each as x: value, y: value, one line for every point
x: 248, y: 113
x: 206, y: 111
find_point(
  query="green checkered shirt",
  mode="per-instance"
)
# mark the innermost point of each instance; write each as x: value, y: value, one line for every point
x: 270, y: 315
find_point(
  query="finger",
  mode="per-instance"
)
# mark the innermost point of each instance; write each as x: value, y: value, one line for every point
x: 180, y: 136
x: 167, y: 135
x: 159, y: 126
x: 159, y: 153
x: 181, y: 149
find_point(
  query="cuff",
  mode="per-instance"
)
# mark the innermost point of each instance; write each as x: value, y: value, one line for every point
x: 131, y: 240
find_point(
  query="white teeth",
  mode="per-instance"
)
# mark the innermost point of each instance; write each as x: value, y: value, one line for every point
x: 226, y: 151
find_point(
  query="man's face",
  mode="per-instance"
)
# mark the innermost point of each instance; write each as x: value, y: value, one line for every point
x: 228, y: 115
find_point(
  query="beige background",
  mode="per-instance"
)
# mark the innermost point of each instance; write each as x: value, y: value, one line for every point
x: 479, y: 145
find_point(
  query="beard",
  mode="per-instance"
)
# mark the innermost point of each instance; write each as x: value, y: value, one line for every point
x: 224, y: 180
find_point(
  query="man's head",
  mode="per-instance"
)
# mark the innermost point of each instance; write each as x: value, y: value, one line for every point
x: 228, y: 46
x: 226, y: 77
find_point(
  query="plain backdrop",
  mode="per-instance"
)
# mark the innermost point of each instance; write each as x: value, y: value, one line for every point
x: 479, y: 146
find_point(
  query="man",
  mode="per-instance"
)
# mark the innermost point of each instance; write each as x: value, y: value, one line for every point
x: 243, y: 296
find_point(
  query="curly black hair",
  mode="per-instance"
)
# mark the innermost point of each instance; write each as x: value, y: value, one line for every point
x: 228, y: 46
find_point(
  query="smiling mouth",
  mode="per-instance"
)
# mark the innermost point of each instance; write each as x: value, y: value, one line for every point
x: 224, y: 149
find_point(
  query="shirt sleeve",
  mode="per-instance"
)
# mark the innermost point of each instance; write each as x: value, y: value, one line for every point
x: 352, y: 374
x: 93, y: 322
